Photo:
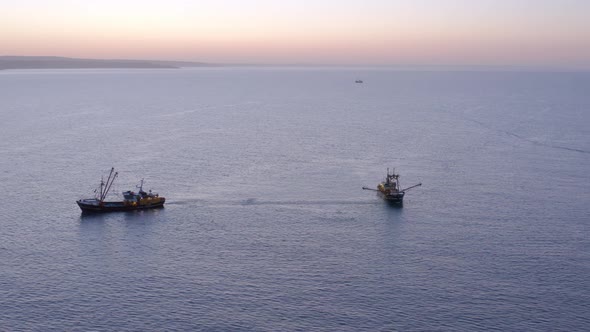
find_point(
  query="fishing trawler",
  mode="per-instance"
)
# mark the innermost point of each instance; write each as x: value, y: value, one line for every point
x: 390, y: 189
x: 131, y: 200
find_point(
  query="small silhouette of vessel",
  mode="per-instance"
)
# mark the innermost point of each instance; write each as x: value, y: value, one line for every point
x: 390, y: 189
x: 358, y: 81
x: 131, y: 200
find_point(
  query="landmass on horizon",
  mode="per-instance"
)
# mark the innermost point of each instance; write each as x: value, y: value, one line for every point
x: 60, y: 62
x: 57, y: 62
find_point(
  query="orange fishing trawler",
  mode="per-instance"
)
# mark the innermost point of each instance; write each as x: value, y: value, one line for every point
x: 131, y: 200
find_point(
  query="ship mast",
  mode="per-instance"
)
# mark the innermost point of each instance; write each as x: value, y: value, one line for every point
x: 108, y: 184
x: 101, y: 187
x: 140, y: 186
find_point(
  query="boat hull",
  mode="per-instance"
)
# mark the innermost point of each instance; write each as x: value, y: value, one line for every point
x: 393, y: 198
x: 90, y: 206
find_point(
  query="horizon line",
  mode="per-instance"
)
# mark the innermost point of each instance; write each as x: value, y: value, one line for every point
x: 406, y: 66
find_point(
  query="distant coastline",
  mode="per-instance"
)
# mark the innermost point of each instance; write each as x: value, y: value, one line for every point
x: 56, y: 62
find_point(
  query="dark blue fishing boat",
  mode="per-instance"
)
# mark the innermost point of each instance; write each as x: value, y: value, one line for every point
x: 390, y: 189
x: 131, y: 200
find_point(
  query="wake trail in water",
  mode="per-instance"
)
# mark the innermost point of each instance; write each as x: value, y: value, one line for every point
x: 255, y: 201
x: 509, y: 133
x: 209, y: 107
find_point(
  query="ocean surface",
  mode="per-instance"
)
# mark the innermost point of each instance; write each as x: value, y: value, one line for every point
x: 266, y: 227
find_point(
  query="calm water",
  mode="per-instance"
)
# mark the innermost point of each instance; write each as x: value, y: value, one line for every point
x: 266, y: 226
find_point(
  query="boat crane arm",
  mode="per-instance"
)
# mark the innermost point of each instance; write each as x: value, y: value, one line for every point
x: 104, y: 191
x: 414, y: 186
x: 365, y: 188
x: 109, y: 185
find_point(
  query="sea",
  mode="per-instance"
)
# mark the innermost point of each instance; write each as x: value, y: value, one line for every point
x: 266, y: 226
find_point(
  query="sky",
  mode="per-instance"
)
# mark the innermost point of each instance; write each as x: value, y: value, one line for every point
x: 554, y: 33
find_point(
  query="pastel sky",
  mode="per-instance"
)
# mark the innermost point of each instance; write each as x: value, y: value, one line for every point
x: 356, y: 32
